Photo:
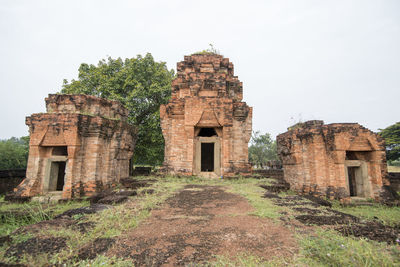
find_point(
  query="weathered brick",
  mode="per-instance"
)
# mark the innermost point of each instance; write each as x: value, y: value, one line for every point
x: 205, y: 94
x: 337, y: 160
x: 90, y: 134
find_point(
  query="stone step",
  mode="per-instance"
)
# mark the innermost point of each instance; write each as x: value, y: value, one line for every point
x: 50, y: 197
x: 360, y: 201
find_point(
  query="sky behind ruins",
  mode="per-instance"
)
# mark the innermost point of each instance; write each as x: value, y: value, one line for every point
x: 338, y: 61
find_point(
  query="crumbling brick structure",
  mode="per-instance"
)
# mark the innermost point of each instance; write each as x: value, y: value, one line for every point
x: 338, y: 160
x: 82, y: 145
x: 206, y: 126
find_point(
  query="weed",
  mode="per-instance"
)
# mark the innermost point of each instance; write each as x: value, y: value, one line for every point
x: 119, y: 219
x: 209, y: 51
x: 105, y: 261
x: 328, y: 248
x: 387, y: 215
x: 14, y: 215
x: 21, y: 237
x: 246, y: 260
x: 322, y: 248
x: 263, y: 207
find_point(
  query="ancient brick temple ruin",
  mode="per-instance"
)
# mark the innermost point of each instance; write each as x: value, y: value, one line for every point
x: 339, y: 160
x: 206, y: 126
x: 82, y: 145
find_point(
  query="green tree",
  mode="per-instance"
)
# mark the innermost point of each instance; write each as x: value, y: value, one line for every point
x: 150, y: 133
x: 141, y: 85
x: 391, y: 135
x: 14, y: 153
x: 262, y: 149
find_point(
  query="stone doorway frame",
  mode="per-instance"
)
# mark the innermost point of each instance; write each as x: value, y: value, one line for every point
x: 217, y: 156
x: 50, y: 171
x: 363, y: 184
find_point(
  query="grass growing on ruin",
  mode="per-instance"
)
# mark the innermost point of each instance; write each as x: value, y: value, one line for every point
x: 328, y: 248
x: 388, y: 215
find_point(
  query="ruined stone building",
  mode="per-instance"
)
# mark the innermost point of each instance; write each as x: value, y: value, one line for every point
x: 206, y: 126
x: 82, y: 145
x: 339, y: 160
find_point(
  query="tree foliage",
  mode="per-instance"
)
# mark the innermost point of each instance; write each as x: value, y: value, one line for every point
x: 150, y: 146
x: 391, y: 134
x: 141, y: 85
x: 14, y: 153
x: 262, y: 149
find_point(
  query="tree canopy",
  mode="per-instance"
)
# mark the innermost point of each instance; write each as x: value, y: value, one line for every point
x: 141, y: 85
x: 14, y: 153
x: 391, y: 134
x: 262, y: 149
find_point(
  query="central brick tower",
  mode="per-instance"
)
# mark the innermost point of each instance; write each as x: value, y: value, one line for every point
x: 206, y: 126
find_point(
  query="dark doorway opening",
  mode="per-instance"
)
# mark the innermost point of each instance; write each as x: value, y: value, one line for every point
x: 207, y: 157
x: 207, y: 132
x: 352, y: 180
x: 61, y: 175
x: 57, y: 175
x: 351, y: 155
x: 60, y: 151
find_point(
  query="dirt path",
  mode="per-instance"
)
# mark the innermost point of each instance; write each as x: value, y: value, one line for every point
x: 199, y: 222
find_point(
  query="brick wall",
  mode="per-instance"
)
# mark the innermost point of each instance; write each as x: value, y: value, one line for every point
x: 278, y: 174
x: 206, y: 94
x: 316, y: 158
x: 97, y: 139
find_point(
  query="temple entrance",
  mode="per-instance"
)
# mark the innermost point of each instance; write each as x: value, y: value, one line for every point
x: 54, y: 173
x: 352, y: 180
x: 207, y: 154
x: 358, y: 183
x: 57, y: 175
x: 207, y: 157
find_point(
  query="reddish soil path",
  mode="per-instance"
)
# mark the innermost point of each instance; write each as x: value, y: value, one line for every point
x: 199, y: 222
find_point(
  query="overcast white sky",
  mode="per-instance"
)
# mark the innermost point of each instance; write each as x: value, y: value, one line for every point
x: 338, y: 61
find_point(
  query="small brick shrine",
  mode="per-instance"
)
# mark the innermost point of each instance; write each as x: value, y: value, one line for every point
x: 206, y: 126
x: 82, y: 145
x: 339, y: 160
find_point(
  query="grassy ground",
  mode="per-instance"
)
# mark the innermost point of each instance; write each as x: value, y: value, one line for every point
x: 387, y: 215
x: 322, y: 247
x: 108, y: 223
x: 14, y: 215
x: 393, y: 169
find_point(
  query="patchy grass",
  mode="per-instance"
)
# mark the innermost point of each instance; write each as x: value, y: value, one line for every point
x: 328, y: 248
x: 387, y: 215
x: 15, y: 215
x: 250, y: 189
x: 101, y: 261
x: 108, y: 223
x: 247, y: 260
x: 321, y: 248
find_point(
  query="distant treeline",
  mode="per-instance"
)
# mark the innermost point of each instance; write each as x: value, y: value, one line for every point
x: 14, y: 153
